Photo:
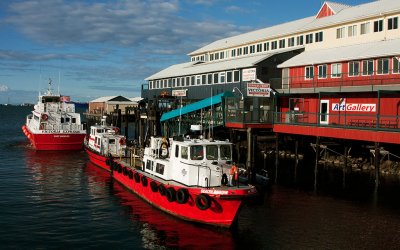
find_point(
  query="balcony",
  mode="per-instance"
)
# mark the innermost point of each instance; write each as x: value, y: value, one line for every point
x: 250, y: 112
x: 339, y: 82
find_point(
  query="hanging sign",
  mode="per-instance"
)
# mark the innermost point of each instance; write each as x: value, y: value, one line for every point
x: 179, y: 92
x: 249, y: 74
x: 258, y: 89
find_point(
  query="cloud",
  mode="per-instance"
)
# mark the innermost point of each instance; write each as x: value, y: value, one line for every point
x: 236, y: 9
x: 123, y: 23
x: 4, y: 88
x: 20, y: 56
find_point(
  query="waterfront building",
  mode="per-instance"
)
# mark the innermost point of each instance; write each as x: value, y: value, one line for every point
x: 335, y: 74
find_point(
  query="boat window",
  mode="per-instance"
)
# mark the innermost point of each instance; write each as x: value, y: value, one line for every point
x: 67, y: 119
x: 111, y: 141
x: 36, y: 118
x: 62, y: 119
x: 99, y: 130
x: 149, y: 165
x: 212, y: 152
x: 160, y: 168
x: 196, y: 152
x: 177, y: 151
x: 73, y: 120
x: 184, y: 153
x: 225, y: 152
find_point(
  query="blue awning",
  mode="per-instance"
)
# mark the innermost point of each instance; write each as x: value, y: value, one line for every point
x: 195, y: 106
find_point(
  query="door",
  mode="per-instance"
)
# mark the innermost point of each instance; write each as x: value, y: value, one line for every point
x: 324, y: 112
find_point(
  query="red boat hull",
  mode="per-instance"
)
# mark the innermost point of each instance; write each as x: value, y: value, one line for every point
x: 56, y: 141
x: 222, y: 212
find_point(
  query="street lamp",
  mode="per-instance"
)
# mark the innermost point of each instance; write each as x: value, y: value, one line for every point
x: 233, y: 90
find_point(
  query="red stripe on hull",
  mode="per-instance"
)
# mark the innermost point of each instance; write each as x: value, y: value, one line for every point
x: 221, y: 212
x: 55, y: 141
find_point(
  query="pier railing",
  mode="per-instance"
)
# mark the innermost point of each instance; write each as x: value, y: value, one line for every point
x: 351, y: 121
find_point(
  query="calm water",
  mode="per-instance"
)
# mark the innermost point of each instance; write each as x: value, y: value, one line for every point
x: 59, y: 200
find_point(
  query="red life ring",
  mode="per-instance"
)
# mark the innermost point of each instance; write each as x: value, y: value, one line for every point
x: 122, y: 141
x: 45, y: 117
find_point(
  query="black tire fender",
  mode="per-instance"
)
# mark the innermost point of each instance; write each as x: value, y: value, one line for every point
x: 203, y: 201
x: 182, y: 195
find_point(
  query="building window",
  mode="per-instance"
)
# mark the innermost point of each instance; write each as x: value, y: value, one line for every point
x: 336, y: 70
x: 396, y: 65
x: 383, y: 66
x: 290, y: 42
x: 322, y: 71
x: 169, y: 83
x: 266, y: 46
x: 252, y: 49
x: 215, y: 78
x: 367, y: 67
x: 229, y: 76
x: 354, y: 68
x: 173, y: 82
x: 239, y: 51
x: 378, y: 26
x: 209, y: 78
x: 211, y: 57
x: 221, y: 77
x: 274, y: 45
x: 364, y: 28
x: 233, y: 53
x: 187, y: 81
x: 221, y: 55
x: 203, y: 79
x: 340, y: 32
x: 236, y: 76
x: 198, y: 79
x: 319, y: 37
x: 393, y: 23
x: 309, y: 38
x: 300, y: 40
x: 216, y: 56
x: 309, y: 74
x: 192, y: 80
x: 245, y: 50
x: 352, y: 30
x: 259, y: 47
x: 282, y: 43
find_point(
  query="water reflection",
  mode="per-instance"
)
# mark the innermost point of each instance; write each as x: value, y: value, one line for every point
x: 157, y: 229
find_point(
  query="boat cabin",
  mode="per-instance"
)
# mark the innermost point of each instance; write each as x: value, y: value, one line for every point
x: 191, y: 162
x: 106, y: 141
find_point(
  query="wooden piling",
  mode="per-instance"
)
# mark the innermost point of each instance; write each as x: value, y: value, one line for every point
x: 296, y: 161
x: 377, y: 170
x: 345, y: 167
x: 276, y: 156
x: 316, y: 163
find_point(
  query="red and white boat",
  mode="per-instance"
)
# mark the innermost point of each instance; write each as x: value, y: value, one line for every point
x: 54, y: 124
x: 183, y: 177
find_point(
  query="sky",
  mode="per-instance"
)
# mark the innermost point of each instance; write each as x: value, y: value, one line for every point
x: 97, y: 48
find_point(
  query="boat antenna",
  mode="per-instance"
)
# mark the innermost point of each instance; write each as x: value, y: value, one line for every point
x: 59, y: 82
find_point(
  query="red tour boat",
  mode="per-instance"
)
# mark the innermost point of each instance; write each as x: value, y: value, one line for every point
x: 183, y: 177
x: 54, y: 125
